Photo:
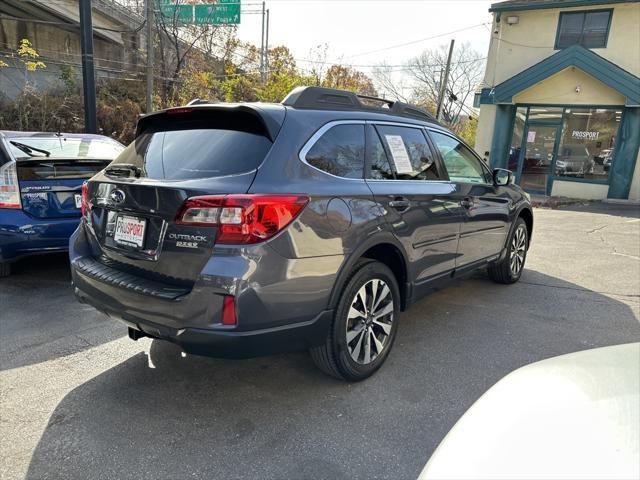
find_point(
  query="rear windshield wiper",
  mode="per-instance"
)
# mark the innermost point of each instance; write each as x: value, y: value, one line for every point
x: 123, y: 169
x: 28, y: 149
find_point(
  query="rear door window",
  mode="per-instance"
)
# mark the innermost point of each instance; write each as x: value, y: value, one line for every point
x: 339, y: 151
x: 380, y: 167
x: 408, y: 153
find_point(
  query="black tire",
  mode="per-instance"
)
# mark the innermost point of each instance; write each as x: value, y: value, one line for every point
x: 503, y: 271
x: 336, y: 356
x: 5, y: 269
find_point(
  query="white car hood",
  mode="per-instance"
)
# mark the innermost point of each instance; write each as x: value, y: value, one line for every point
x: 576, y: 416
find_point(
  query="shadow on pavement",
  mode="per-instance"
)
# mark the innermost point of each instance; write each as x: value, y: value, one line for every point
x: 615, y: 209
x: 40, y: 318
x: 278, y: 417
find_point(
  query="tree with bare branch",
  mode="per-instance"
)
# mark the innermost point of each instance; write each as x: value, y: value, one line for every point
x: 178, y: 42
x: 427, y: 70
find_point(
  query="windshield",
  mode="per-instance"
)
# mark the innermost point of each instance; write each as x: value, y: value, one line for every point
x: 61, y: 147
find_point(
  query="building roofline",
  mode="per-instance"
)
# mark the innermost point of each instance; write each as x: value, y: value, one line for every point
x: 520, y: 5
x: 586, y: 60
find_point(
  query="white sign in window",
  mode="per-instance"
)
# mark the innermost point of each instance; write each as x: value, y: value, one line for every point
x: 399, y: 154
x: 531, y: 136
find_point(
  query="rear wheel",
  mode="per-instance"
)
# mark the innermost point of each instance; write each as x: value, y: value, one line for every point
x: 509, y: 270
x: 5, y: 269
x: 364, y: 325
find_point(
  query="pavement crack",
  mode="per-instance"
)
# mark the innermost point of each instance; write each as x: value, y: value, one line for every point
x: 597, y: 229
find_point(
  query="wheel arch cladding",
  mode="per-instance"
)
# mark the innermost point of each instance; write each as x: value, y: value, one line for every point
x: 392, y: 257
x: 385, y: 251
x: 527, y: 216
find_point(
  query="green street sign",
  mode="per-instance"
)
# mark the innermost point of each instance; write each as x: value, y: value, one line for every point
x: 220, y: 13
x: 177, y: 13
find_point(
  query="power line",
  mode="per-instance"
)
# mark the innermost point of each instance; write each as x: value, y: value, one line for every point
x: 417, y: 41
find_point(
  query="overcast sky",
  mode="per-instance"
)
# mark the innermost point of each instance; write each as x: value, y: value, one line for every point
x: 360, y: 32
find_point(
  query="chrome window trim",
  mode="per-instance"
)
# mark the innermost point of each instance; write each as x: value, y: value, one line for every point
x: 413, y: 182
x: 396, y: 124
x: 319, y: 133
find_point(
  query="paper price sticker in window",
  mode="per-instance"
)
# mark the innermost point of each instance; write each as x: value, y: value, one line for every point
x: 399, y: 155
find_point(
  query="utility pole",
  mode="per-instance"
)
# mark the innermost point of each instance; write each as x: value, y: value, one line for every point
x: 262, y: 72
x: 88, y: 72
x: 150, y: 22
x: 443, y: 84
x: 266, y: 50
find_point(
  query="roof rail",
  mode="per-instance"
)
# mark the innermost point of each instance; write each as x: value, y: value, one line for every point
x: 320, y: 98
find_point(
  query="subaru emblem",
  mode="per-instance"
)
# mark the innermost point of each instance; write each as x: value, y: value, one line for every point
x: 117, y: 196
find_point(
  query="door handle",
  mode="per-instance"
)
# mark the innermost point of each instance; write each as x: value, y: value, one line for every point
x: 466, y: 202
x: 400, y: 203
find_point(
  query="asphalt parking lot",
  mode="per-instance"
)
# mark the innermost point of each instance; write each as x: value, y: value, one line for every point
x: 78, y: 399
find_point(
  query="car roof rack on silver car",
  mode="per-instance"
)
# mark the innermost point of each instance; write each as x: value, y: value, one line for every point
x: 320, y: 98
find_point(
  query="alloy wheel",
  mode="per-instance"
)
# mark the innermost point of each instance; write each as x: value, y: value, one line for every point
x: 369, y: 321
x: 518, y: 250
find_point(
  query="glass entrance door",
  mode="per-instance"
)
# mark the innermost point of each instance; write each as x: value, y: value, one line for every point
x: 539, y: 154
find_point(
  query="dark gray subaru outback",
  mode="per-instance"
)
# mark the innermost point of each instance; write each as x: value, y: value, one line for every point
x: 237, y: 230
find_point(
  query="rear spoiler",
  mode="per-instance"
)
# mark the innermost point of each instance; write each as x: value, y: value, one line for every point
x: 270, y: 116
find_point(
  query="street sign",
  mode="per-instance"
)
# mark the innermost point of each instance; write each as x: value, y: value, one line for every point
x: 177, y: 13
x: 220, y: 12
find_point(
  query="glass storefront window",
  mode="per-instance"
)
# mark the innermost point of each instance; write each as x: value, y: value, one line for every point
x: 545, y: 114
x: 587, y: 143
x: 516, y: 139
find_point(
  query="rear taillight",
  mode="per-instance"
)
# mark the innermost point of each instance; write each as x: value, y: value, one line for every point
x: 242, y: 218
x: 9, y: 188
x: 85, y: 208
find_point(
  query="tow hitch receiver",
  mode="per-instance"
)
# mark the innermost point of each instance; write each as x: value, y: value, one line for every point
x: 136, y: 334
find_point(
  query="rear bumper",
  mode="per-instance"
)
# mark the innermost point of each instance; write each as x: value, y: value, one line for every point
x: 22, y: 235
x: 276, y: 310
x: 227, y: 344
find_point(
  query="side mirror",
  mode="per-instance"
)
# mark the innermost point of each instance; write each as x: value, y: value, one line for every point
x: 502, y: 176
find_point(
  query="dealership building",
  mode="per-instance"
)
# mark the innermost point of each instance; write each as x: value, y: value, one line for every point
x: 560, y: 102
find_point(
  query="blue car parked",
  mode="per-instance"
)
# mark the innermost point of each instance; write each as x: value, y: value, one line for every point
x: 41, y: 177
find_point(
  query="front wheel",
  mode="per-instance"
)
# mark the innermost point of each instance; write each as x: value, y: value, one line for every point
x: 509, y: 269
x: 364, y: 325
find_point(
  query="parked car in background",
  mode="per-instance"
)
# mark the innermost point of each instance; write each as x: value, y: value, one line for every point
x: 572, y: 416
x: 574, y: 160
x: 41, y: 176
x: 607, y: 157
x: 238, y: 230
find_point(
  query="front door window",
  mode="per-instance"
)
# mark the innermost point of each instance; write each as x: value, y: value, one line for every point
x: 538, y: 157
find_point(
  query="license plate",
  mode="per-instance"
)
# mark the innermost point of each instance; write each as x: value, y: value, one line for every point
x: 130, y: 231
x: 78, y: 199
